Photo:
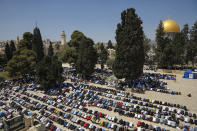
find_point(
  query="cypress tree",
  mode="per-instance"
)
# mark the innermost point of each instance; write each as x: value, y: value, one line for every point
x: 12, y: 48
x: 37, y: 45
x: 178, y: 44
x: 147, y: 48
x: 86, y: 58
x: 193, y: 33
x: 109, y: 45
x: 2, y: 59
x: 7, y: 52
x: 192, y: 47
x: 129, y: 58
x: 161, y: 44
x: 103, y: 55
x: 168, y: 56
x: 50, y: 50
x: 49, y: 73
x: 185, y: 33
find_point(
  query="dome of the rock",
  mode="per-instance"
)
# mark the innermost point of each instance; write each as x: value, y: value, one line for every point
x: 170, y: 26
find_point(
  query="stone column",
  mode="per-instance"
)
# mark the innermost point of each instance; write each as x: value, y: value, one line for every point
x: 63, y: 38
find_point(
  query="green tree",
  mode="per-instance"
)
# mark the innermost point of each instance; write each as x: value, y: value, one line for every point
x: 129, y: 58
x: 161, y: 44
x: 2, y: 78
x: 97, y: 46
x: 168, y: 56
x: 190, y: 43
x: 147, y: 48
x: 178, y: 44
x: 191, y: 52
x: 86, y: 58
x: 110, y: 45
x: 2, y: 59
x: 23, y: 62
x: 12, y: 48
x: 23, y: 44
x: 76, y: 39
x: 68, y: 55
x: 86, y: 55
x: 193, y: 33
x: 185, y: 33
x: 49, y: 73
x: 7, y: 52
x: 26, y: 42
x: 103, y: 55
x: 50, y: 50
x: 57, y: 46
x: 37, y: 45
x: 28, y: 36
x: 193, y: 43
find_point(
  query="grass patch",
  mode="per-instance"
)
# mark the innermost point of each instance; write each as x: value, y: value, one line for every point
x: 5, y: 75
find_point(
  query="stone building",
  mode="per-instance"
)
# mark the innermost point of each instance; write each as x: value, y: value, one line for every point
x: 63, y: 38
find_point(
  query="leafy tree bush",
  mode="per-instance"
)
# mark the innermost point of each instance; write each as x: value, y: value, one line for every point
x: 23, y: 62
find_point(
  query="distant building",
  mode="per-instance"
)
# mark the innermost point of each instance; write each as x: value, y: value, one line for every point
x: 17, y: 40
x: 56, y: 44
x: 63, y: 38
x: 170, y: 28
x: 111, y: 53
x: 3, y: 43
x: 2, y: 47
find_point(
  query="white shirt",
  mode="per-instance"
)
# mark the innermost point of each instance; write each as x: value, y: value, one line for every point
x: 154, y: 119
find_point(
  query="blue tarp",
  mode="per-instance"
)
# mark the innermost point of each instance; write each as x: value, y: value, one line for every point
x: 188, y: 72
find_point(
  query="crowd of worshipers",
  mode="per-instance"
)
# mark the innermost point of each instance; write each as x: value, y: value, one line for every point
x: 22, y: 102
x: 72, y: 106
x: 183, y: 68
x: 149, y: 81
x: 26, y: 79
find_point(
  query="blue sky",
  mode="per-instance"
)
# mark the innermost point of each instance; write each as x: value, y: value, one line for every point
x: 97, y: 19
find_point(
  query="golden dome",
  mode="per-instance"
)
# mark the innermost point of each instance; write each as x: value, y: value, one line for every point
x: 170, y: 26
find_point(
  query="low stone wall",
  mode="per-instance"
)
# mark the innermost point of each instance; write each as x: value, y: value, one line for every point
x: 171, y: 71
